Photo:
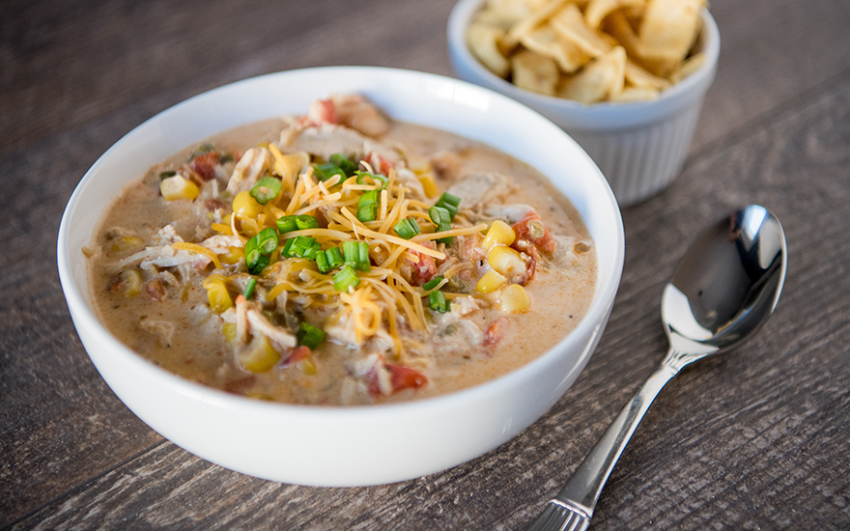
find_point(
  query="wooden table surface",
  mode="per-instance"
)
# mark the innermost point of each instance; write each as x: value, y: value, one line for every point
x: 758, y: 439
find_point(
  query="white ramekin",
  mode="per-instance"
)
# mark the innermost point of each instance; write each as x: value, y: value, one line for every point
x: 640, y: 147
x: 343, y: 446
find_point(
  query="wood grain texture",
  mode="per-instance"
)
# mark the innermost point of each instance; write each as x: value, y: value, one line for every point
x: 754, y: 440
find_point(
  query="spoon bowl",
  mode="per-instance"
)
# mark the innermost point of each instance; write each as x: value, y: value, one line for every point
x: 722, y: 292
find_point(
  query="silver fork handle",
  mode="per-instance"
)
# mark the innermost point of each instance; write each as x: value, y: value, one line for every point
x: 582, y: 491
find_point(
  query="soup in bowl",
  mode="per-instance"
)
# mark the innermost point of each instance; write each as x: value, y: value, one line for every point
x: 362, y: 237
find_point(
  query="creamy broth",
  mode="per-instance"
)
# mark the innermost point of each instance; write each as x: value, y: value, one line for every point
x: 165, y: 313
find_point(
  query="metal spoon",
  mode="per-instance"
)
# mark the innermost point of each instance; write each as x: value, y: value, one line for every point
x: 725, y: 288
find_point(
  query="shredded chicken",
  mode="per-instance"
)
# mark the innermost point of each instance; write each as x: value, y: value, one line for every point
x: 481, y: 188
x: 249, y: 169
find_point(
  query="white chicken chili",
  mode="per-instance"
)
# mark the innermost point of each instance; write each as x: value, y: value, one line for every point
x: 341, y: 258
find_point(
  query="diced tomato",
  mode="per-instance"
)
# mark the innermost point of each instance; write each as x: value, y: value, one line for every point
x: 322, y: 112
x: 405, y: 378
x: 495, y: 332
x: 204, y: 165
x: 298, y: 354
x: 401, y: 378
x: 379, y: 163
x: 532, y: 229
x: 418, y: 268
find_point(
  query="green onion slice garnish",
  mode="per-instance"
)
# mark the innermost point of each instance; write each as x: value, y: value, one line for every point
x: 356, y: 255
x: 265, y: 190
x: 322, y: 262
x: 341, y: 161
x: 249, y: 288
x: 258, y: 248
x: 286, y: 224
x: 225, y: 158
x: 367, y: 206
x: 301, y: 247
x: 326, y: 171
x: 437, y: 302
x: 334, y: 256
x: 166, y: 174
x: 441, y: 217
x: 449, y: 202
x: 375, y: 178
x: 309, y: 336
x: 407, y: 228
x: 433, y: 283
x: 345, y: 279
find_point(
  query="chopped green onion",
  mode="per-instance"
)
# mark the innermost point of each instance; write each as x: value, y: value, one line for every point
x: 309, y: 336
x: 441, y: 217
x: 375, y: 177
x: 286, y: 224
x: 322, y: 262
x: 301, y: 247
x: 330, y: 259
x: 433, y: 283
x: 267, y: 240
x: 305, y: 221
x: 334, y: 256
x: 449, y: 202
x: 166, y: 174
x: 225, y: 158
x: 291, y: 223
x: 262, y: 244
x: 346, y: 278
x: 249, y: 288
x: 326, y: 171
x: 356, y: 255
x: 367, y: 206
x: 437, y: 302
x: 407, y: 228
x: 312, y: 251
x: 341, y: 161
x: 265, y: 190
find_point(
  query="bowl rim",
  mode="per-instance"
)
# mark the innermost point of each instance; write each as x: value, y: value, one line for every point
x: 85, y: 318
x: 461, y: 15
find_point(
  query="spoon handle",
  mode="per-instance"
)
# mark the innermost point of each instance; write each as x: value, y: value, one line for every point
x: 582, y: 490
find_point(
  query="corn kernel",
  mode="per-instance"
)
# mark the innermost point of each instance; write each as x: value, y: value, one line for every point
x: 131, y: 281
x: 289, y: 166
x: 127, y: 243
x: 307, y: 366
x: 217, y: 293
x: 428, y: 185
x: 490, y: 282
x: 514, y: 299
x: 506, y: 261
x: 244, y: 205
x: 232, y: 256
x: 178, y: 187
x: 260, y: 356
x: 417, y: 164
x: 499, y: 233
x: 229, y: 332
x: 250, y: 227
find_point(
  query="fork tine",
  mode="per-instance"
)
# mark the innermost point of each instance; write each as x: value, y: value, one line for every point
x: 558, y: 517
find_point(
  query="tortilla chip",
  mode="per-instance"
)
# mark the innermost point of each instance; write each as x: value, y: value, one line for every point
x: 513, y: 10
x: 634, y: 94
x: 598, y: 80
x: 535, y: 72
x: 546, y: 41
x: 488, y: 17
x: 688, y: 67
x: 597, y: 10
x: 528, y: 24
x: 669, y: 28
x: 483, y: 43
x: 569, y: 23
x: 639, y: 77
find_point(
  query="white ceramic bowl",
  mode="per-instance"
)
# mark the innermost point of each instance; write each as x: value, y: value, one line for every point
x: 332, y: 446
x: 640, y: 147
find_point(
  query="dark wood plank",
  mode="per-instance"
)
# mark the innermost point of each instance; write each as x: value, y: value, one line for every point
x: 753, y: 439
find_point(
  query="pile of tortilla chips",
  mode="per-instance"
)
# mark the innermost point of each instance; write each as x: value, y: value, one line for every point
x: 589, y: 50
